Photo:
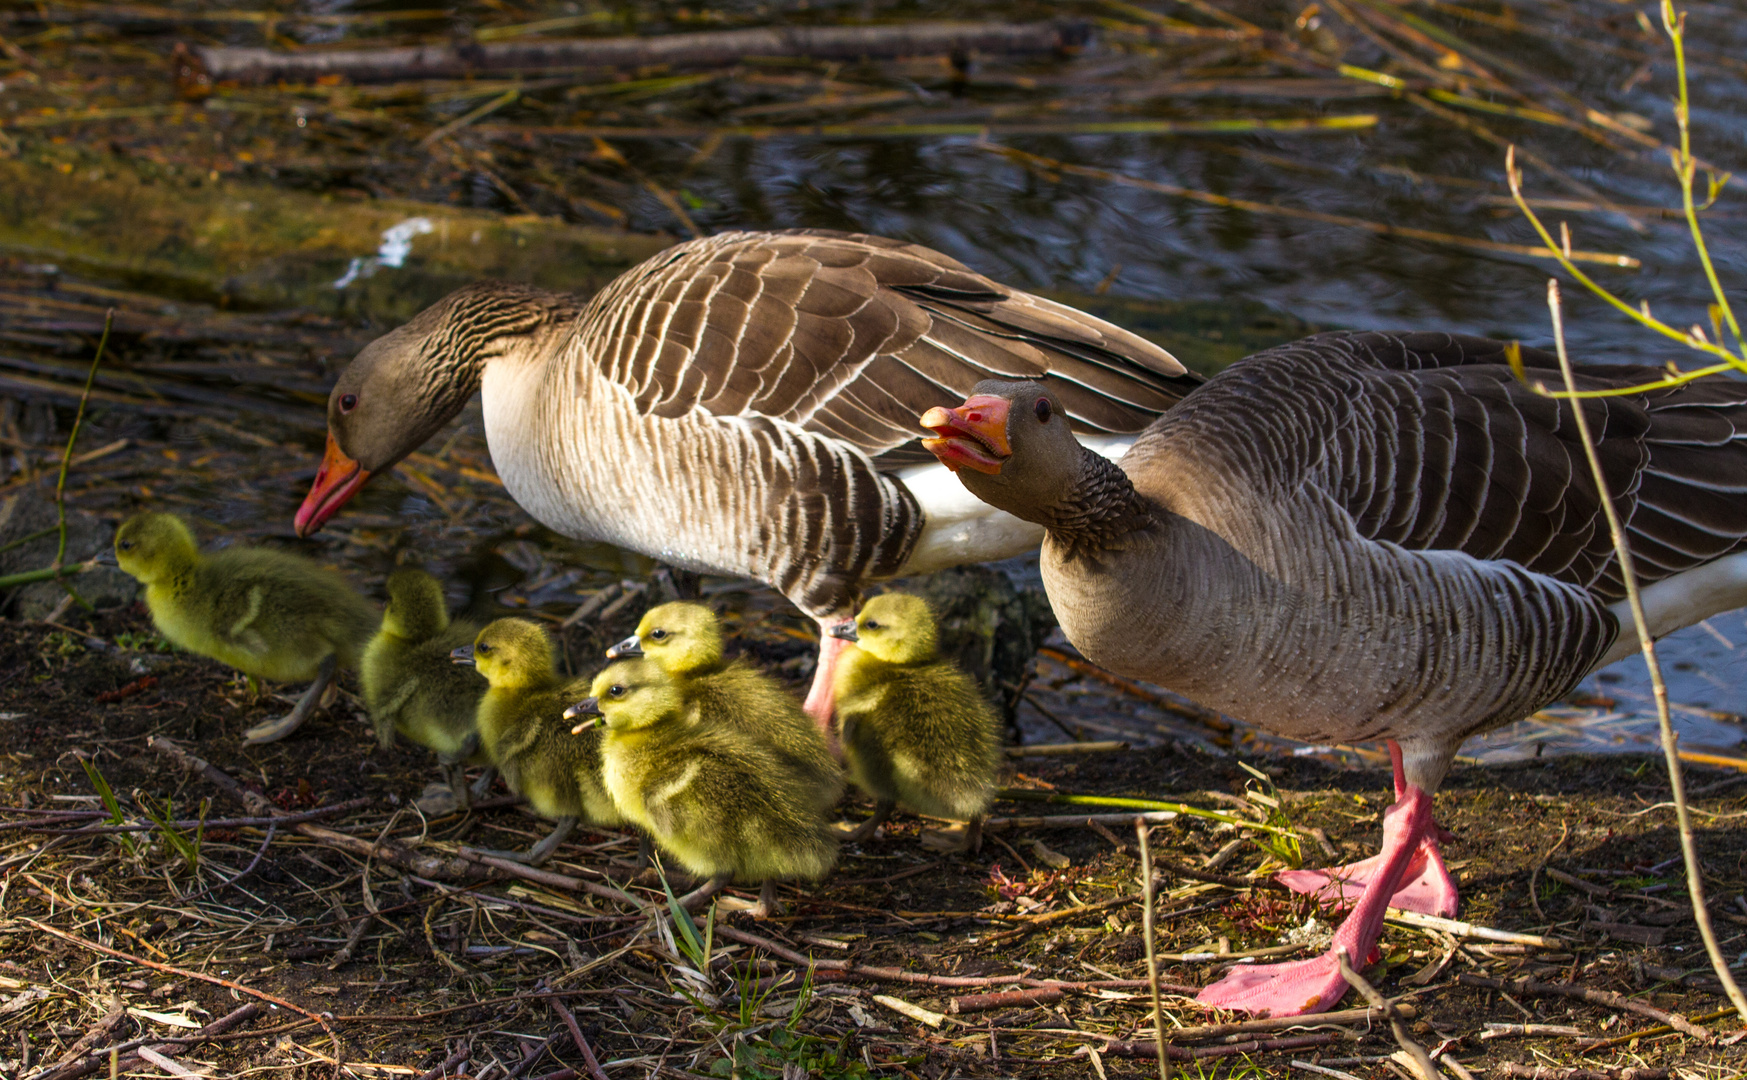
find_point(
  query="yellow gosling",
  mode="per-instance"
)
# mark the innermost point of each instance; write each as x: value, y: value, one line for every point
x: 915, y: 730
x: 413, y: 688
x: 523, y: 733
x: 269, y: 614
x: 684, y: 639
x: 724, y: 803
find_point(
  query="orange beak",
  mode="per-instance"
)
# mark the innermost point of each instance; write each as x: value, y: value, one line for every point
x: 338, y: 479
x: 972, y: 436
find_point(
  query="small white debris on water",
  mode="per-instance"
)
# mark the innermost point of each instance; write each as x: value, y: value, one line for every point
x: 395, y: 247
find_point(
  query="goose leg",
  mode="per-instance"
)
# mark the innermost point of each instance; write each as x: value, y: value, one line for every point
x: 540, y: 852
x: 483, y: 784
x: 820, y: 700
x: 1310, y: 986
x: 768, y: 905
x: 695, y: 899
x: 1426, y: 886
x: 273, y: 730
x: 882, y: 810
x: 645, y: 851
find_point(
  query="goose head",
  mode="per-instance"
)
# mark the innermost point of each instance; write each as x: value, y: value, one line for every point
x: 416, y: 608
x: 681, y: 637
x: 628, y: 695
x: 403, y: 387
x: 151, y: 547
x: 510, y: 653
x: 895, y: 627
x: 1010, y: 446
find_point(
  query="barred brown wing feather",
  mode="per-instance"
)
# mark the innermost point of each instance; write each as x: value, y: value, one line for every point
x: 853, y: 336
x: 1436, y: 445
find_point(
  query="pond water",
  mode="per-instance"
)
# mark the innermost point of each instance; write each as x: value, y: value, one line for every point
x: 1213, y: 242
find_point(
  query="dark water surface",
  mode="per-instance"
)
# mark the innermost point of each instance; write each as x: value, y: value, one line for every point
x: 1211, y: 279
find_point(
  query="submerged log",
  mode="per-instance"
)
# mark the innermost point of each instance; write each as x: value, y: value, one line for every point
x: 198, y: 67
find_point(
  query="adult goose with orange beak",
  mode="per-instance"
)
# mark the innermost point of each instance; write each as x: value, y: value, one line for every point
x: 1371, y: 536
x: 744, y: 404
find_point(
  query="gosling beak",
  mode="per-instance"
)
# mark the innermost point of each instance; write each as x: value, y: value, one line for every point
x: 627, y: 649
x: 107, y: 558
x: 337, y: 480
x: 845, y: 630
x: 463, y: 655
x: 972, y: 436
x: 589, y: 707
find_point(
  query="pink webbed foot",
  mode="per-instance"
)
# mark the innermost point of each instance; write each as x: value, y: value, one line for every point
x: 1426, y: 884
x: 1314, y: 985
x: 1292, y: 989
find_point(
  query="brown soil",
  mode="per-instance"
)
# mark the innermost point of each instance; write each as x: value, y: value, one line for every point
x: 432, y: 950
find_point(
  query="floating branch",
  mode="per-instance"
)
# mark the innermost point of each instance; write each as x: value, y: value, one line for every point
x: 1309, y: 125
x: 202, y: 65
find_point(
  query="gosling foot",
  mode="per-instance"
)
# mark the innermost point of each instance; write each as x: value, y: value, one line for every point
x: 882, y: 811
x: 273, y: 730
x: 768, y: 905
x: 540, y: 852
x: 698, y: 897
x: 438, y: 800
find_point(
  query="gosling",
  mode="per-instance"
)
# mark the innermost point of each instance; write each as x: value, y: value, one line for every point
x: 269, y: 614
x: 522, y: 731
x: 914, y: 729
x: 725, y: 804
x: 685, y: 640
x: 413, y: 688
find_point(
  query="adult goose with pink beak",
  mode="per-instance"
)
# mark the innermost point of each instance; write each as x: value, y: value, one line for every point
x: 744, y: 404
x: 1371, y: 536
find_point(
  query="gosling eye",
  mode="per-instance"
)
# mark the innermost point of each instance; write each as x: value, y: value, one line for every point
x: 871, y: 625
x: 125, y: 545
x: 617, y: 691
x: 658, y: 634
x: 481, y: 648
x: 1044, y: 410
x: 348, y: 402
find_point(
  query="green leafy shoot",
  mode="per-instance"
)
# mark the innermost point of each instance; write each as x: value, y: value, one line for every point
x: 1685, y: 167
x: 176, y: 840
x: 110, y: 803
x: 695, y: 946
x: 1280, y: 838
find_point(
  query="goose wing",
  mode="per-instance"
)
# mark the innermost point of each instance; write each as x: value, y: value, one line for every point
x: 1429, y: 441
x: 850, y: 336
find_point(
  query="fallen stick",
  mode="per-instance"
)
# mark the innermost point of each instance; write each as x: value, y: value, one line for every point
x: 395, y: 855
x: 1590, y: 1045
x: 1007, y: 999
x: 199, y: 67
x: 192, y: 823
x: 1117, y: 1048
x: 99, y: 1060
x: 1184, y: 709
x: 1051, y: 749
x: 848, y: 968
x: 1511, y: 1031
x: 1071, y: 820
x: 1416, y: 1054
x: 576, y: 1039
x: 1463, y: 929
x: 1595, y: 997
x: 1279, y: 1023
x: 1548, y: 1072
x: 549, y: 877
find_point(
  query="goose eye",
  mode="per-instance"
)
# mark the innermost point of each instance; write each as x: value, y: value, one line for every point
x: 482, y: 648
x: 348, y: 402
x: 1043, y: 410
x: 658, y: 634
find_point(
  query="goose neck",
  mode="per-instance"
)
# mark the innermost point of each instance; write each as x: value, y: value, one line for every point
x: 1098, y: 508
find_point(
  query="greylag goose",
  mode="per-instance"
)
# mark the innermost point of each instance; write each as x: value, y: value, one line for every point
x: 744, y: 404
x: 1371, y: 536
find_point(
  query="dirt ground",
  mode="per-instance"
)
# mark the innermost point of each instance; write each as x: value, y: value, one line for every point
x: 475, y: 964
